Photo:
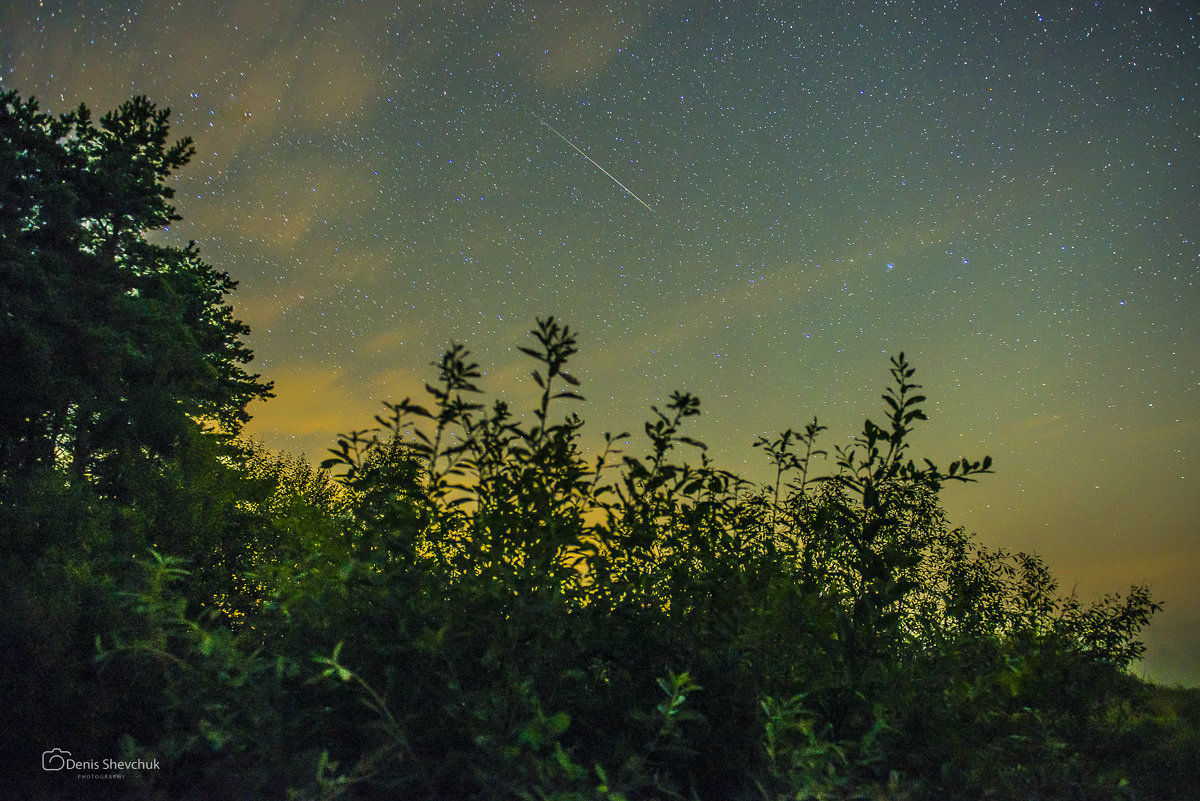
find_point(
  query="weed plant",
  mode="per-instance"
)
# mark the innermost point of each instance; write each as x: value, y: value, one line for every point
x: 460, y: 603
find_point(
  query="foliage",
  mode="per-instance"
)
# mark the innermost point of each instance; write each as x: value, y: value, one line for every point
x: 114, y: 343
x: 484, y: 612
x: 476, y: 610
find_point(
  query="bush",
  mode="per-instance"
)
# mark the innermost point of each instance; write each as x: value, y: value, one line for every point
x: 473, y: 608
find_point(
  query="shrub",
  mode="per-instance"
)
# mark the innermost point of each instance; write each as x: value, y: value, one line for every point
x: 474, y: 608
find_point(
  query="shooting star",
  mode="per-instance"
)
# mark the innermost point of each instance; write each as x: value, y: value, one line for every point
x: 589, y: 158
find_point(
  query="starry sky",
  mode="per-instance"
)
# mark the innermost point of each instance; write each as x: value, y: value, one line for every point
x: 775, y: 197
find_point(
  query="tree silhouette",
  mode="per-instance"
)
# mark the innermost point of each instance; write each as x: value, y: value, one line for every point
x: 112, y: 343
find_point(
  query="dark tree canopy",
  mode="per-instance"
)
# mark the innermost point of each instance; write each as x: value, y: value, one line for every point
x: 112, y: 343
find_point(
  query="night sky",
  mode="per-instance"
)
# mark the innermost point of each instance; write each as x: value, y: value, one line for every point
x: 1006, y: 191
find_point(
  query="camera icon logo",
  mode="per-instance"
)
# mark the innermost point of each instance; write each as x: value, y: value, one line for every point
x: 55, y: 759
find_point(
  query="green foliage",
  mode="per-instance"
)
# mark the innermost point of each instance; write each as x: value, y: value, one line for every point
x: 473, y: 609
x: 846, y: 593
x: 114, y: 343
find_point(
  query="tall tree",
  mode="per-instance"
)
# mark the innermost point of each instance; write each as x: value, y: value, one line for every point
x: 112, y: 344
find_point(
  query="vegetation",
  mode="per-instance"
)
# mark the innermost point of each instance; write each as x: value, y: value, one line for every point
x: 461, y: 603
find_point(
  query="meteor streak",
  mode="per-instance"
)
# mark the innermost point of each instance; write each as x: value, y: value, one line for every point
x: 589, y: 158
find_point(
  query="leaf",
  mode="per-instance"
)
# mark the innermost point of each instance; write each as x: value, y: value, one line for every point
x: 558, y: 723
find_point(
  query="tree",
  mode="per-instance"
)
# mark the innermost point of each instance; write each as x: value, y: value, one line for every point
x: 113, y: 344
